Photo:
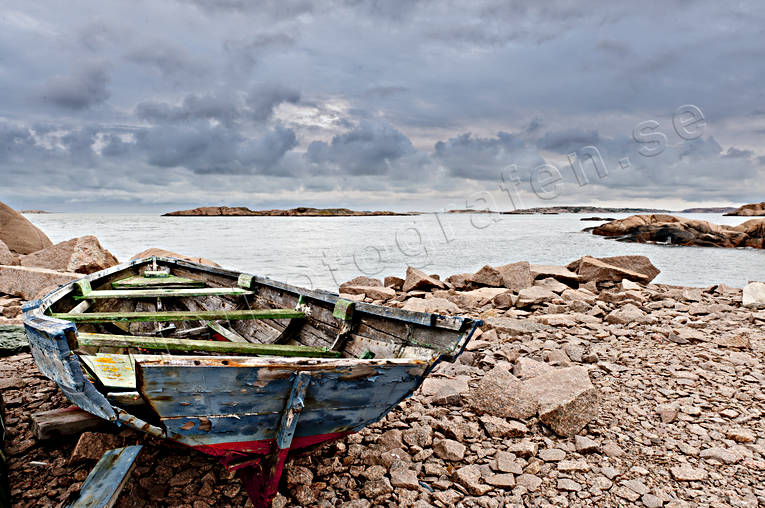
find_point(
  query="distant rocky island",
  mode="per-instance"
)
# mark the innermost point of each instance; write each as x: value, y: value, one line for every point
x: 33, y: 211
x: 581, y: 209
x: 672, y: 230
x: 752, y: 210
x: 303, y: 211
x: 722, y: 209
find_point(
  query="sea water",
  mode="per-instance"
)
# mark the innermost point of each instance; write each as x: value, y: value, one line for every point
x: 322, y: 252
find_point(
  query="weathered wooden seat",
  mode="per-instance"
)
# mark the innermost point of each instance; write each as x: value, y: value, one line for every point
x: 171, y: 281
x: 188, y: 345
x: 162, y: 293
x: 167, y: 316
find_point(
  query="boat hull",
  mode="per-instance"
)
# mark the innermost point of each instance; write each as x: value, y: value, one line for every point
x: 252, y: 412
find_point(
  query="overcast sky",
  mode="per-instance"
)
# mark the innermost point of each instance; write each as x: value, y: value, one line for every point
x: 405, y: 105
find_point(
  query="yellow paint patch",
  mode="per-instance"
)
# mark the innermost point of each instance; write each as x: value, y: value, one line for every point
x: 112, y: 370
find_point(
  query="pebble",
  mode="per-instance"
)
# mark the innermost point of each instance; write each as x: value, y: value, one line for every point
x: 688, y: 473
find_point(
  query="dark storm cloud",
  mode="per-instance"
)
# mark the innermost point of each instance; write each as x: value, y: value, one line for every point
x: 466, y: 156
x: 368, y: 149
x: 80, y: 90
x: 204, y: 148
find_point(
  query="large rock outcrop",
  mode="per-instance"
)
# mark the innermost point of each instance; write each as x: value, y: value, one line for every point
x: 168, y: 254
x: 31, y: 282
x: 20, y: 235
x: 751, y: 210
x: 79, y: 255
x: 668, y: 229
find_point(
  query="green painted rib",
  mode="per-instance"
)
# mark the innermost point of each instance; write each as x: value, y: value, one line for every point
x: 165, y: 316
x: 139, y: 282
x: 162, y: 293
x: 188, y: 345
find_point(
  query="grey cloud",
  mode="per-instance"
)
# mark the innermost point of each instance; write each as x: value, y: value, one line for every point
x: 614, y: 47
x: 79, y: 143
x: 167, y: 60
x: 99, y: 34
x: 466, y: 156
x: 264, y: 99
x: 193, y: 107
x: 266, y: 151
x: 737, y: 153
x: 14, y: 139
x: 115, y: 146
x: 226, y: 107
x: 192, y: 87
x: 569, y: 140
x: 368, y: 149
x: 203, y: 148
x: 278, y: 9
x: 83, y: 89
x: 245, y: 53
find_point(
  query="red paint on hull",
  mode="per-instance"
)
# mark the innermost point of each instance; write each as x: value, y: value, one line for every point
x: 265, y: 446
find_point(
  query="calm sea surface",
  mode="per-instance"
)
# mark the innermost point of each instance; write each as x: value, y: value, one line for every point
x: 321, y: 252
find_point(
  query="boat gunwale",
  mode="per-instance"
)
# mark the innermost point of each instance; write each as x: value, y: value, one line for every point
x: 37, y: 308
x: 299, y: 363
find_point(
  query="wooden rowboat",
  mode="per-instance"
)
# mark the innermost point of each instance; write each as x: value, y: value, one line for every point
x: 237, y: 366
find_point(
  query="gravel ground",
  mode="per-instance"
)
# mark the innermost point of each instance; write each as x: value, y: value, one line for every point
x: 678, y: 374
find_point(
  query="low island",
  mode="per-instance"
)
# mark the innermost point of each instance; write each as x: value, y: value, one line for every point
x: 303, y: 211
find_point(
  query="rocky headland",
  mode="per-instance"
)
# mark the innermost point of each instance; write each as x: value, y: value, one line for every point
x: 754, y: 209
x: 243, y: 211
x: 588, y: 384
x: 672, y: 230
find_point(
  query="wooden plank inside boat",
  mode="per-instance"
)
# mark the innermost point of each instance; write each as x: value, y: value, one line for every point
x: 187, y: 345
x: 162, y: 293
x: 224, y: 332
x: 161, y: 317
x: 171, y: 281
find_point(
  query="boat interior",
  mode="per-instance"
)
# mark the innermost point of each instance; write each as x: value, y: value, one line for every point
x: 163, y: 307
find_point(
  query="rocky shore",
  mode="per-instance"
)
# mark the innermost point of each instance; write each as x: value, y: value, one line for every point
x: 588, y: 384
x: 672, y: 230
x: 243, y: 211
